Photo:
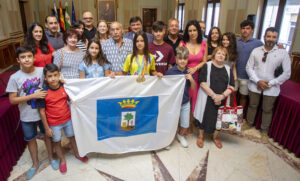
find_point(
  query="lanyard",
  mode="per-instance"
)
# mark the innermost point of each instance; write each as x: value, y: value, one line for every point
x: 141, y: 66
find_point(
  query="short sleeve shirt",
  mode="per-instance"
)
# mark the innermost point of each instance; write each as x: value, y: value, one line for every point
x: 175, y: 71
x: 244, y: 50
x: 116, y: 55
x: 25, y: 84
x: 133, y: 68
x: 56, y: 106
x: 94, y: 70
x: 164, y: 56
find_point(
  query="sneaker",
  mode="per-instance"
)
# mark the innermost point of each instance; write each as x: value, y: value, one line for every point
x: 264, y: 138
x: 63, y: 168
x: 54, y: 164
x: 30, y: 173
x: 246, y: 127
x: 83, y: 159
x: 182, y: 140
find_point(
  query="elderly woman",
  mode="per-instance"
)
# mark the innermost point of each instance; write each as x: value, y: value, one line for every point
x: 36, y: 39
x: 216, y: 81
x: 70, y: 56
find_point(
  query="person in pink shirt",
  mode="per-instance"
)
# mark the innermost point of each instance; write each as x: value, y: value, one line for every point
x: 192, y: 40
x: 36, y: 39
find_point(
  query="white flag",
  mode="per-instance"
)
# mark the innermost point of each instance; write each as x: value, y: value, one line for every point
x: 120, y: 115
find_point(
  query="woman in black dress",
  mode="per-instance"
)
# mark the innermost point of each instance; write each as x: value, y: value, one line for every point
x: 216, y: 80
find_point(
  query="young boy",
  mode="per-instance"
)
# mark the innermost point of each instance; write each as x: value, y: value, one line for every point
x: 182, y: 55
x: 163, y: 52
x: 56, y: 115
x: 24, y: 89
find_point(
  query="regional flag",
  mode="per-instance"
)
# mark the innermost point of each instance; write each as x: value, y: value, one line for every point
x: 67, y: 17
x: 119, y: 115
x: 61, y: 17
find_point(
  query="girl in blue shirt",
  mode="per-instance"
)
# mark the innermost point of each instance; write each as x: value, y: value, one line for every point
x: 95, y: 63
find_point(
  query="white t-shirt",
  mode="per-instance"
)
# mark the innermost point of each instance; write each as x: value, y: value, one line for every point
x: 25, y: 84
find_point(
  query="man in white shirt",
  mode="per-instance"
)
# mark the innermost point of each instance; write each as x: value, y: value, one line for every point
x: 261, y: 66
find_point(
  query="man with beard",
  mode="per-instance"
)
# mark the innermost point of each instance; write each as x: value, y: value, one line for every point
x: 173, y: 37
x: 245, y: 45
x: 116, y: 48
x: 55, y: 38
x: 263, y: 82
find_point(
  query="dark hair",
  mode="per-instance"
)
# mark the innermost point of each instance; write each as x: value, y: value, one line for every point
x: 186, y: 37
x: 70, y: 32
x: 135, y: 50
x: 209, y: 36
x: 135, y: 19
x: 50, y: 68
x: 101, y: 58
x: 23, y: 49
x: 46, y: 18
x: 272, y: 29
x: 30, y: 42
x: 232, y: 48
x: 76, y: 25
x: 247, y: 23
x: 158, y: 26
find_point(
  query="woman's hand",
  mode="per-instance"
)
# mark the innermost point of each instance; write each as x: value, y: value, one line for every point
x: 192, y: 70
x: 218, y: 99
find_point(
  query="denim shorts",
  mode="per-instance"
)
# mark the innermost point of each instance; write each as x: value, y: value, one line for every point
x: 67, y: 127
x: 185, y: 115
x: 30, y: 129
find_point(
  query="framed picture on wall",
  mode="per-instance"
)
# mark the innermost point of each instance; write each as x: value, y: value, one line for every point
x: 107, y: 10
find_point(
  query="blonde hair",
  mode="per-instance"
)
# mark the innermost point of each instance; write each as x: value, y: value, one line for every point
x: 182, y: 52
x: 223, y: 49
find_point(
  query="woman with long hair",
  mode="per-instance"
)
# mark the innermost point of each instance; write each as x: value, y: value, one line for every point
x: 82, y: 41
x: 141, y: 62
x: 192, y: 40
x: 102, y: 31
x: 229, y: 42
x: 213, y: 41
x: 36, y: 39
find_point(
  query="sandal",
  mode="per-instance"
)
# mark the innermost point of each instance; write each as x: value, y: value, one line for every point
x: 218, y: 143
x: 200, y: 142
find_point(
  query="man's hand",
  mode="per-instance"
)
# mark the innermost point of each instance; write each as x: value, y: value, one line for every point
x: 49, y: 132
x: 262, y: 85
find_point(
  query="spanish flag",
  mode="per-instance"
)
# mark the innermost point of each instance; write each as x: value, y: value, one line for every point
x: 61, y: 17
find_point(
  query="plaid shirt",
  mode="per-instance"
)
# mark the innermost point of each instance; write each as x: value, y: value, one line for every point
x: 117, y: 55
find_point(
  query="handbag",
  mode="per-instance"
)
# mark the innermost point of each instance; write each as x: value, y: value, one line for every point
x: 230, y: 118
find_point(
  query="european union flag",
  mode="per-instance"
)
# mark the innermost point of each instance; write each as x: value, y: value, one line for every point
x: 126, y: 116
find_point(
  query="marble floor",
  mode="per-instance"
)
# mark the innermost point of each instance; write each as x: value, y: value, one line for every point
x: 242, y: 158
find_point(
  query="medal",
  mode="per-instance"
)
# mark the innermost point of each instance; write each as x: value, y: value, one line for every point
x: 141, y: 70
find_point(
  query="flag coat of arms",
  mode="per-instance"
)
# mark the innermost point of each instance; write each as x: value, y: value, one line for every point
x: 120, y: 115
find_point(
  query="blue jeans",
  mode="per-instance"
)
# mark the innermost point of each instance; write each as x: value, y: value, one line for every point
x: 30, y: 129
x: 185, y: 115
x: 67, y: 127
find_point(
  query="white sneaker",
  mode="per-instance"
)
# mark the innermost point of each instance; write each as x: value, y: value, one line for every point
x: 182, y: 140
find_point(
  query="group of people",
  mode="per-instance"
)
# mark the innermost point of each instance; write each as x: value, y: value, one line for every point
x: 214, y: 66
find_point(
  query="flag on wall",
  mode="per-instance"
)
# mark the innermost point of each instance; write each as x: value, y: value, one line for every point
x: 61, y: 17
x: 67, y: 17
x: 119, y: 115
x: 55, y: 14
x: 73, y: 13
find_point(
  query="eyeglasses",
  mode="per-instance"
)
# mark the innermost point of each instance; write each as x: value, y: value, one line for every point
x: 265, y: 56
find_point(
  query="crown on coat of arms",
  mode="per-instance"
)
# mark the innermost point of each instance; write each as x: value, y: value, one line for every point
x: 129, y: 103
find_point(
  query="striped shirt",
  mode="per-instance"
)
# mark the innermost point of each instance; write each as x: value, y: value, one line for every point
x: 117, y: 55
x: 81, y: 45
x: 71, y: 61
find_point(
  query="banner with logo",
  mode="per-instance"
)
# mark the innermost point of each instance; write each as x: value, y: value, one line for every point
x: 119, y: 115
